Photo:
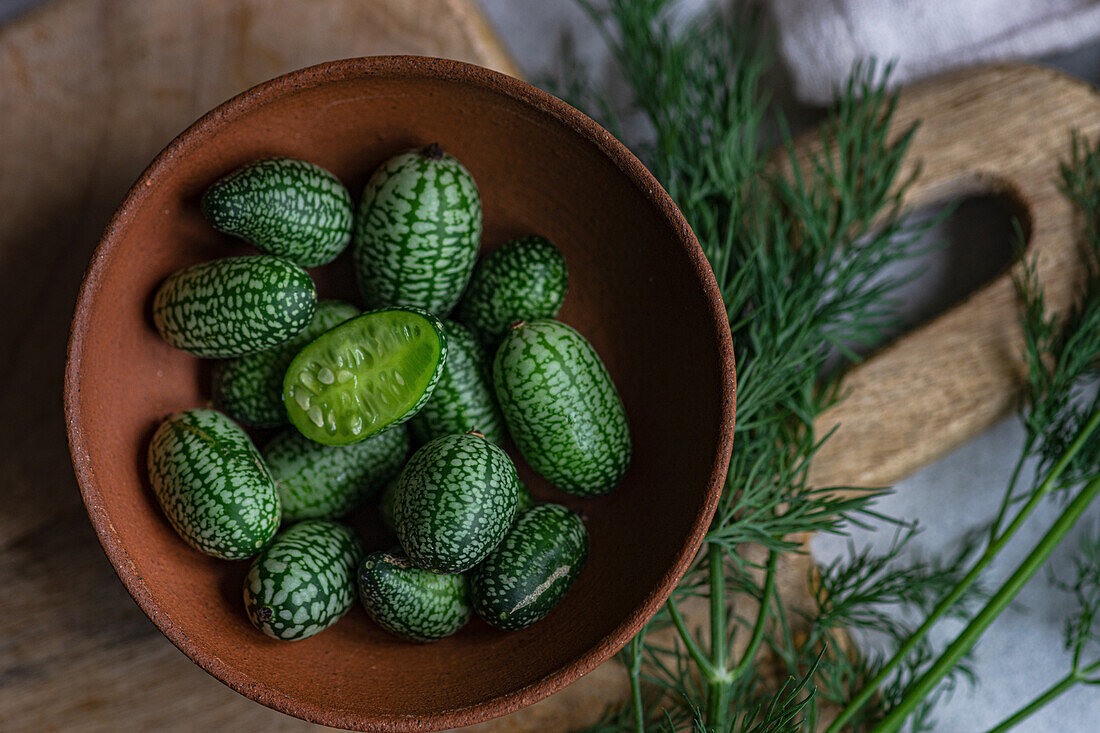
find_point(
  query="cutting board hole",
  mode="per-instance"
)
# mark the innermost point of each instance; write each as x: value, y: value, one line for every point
x: 977, y: 241
x: 974, y: 244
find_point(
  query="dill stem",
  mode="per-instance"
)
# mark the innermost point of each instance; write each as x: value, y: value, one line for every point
x: 761, y: 618
x: 1047, y: 696
x: 635, y: 671
x: 923, y: 687
x: 717, y: 684
x: 1007, y: 500
x: 692, y: 646
x: 994, y: 547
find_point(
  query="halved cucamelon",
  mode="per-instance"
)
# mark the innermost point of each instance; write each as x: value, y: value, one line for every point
x: 234, y: 306
x: 283, y: 206
x: 327, y: 481
x: 364, y: 375
x: 413, y: 603
x: 463, y: 399
x: 561, y: 407
x: 455, y: 500
x: 525, y: 279
x: 212, y: 484
x: 417, y: 231
x: 250, y: 388
x: 304, y: 581
x: 532, y: 568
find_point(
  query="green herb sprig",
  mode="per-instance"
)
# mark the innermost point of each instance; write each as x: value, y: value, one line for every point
x: 798, y: 251
x: 1082, y: 633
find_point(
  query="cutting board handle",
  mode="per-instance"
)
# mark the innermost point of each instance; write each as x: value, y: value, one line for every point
x: 999, y: 130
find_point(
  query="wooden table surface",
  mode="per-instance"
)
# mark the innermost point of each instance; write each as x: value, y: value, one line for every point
x: 90, y: 90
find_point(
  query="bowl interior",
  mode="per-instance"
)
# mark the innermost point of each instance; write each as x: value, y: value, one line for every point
x: 639, y: 291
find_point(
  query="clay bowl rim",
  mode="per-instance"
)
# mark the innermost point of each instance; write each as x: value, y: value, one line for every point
x: 408, y: 67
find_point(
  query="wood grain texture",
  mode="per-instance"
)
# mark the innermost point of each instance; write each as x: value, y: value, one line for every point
x: 89, y: 91
x: 1001, y: 130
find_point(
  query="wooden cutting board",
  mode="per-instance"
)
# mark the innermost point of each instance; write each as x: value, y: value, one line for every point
x: 91, y: 90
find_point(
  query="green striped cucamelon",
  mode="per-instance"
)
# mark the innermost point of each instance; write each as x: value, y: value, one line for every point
x: 212, y: 484
x: 304, y: 581
x: 326, y: 482
x: 366, y: 374
x: 525, y: 279
x: 250, y: 388
x: 417, y: 231
x: 530, y: 571
x: 463, y: 399
x: 385, y: 504
x: 561, y: 407
x: 413, y: 603
x: 455, y: 499
x: 234, y: 306
x: 283, y: 206
x: 524, y: 501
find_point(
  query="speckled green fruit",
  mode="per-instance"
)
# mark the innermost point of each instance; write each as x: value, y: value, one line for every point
x: 326, y: 482
x: 364, y: 375
x: 417, y: 231
x: 283, y: 206
x: 561, y: 407
x: 304, y: 581
x: 463, y: 399
x: 234, y: 306
x: 524, y: 499
x: 250, y: 388
x: 532, y: 569
x: 523, y: 280
x: 410, y: 602
x: 385, y: 504
x: 212, y: 484
x: 455, y: 500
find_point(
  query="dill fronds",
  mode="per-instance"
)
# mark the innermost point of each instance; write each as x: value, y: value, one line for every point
x: 798, y: 257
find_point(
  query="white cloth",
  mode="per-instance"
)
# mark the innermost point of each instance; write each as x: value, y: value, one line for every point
x: 819, y: 40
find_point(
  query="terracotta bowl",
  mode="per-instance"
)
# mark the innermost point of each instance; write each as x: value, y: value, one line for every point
x: 640, y: 290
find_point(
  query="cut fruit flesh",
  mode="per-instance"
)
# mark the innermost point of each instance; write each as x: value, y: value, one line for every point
x: 364, y: 375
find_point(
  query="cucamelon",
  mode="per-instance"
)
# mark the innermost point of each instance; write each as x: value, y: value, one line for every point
x: 525, y: 279
x: 283, y: 206
x: 250, y: 388
x: 524, y: 499
x: 234, y: 306
x: 531, y: 569
x: 212, y: 484
x: 463, y: 398
x: 418, y: 231
x: 413, y: 603
x: 326, y: 482
x: 364, y: 375
x: 304, y: 581
x: 561, y: 407
x: 455, y: 499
